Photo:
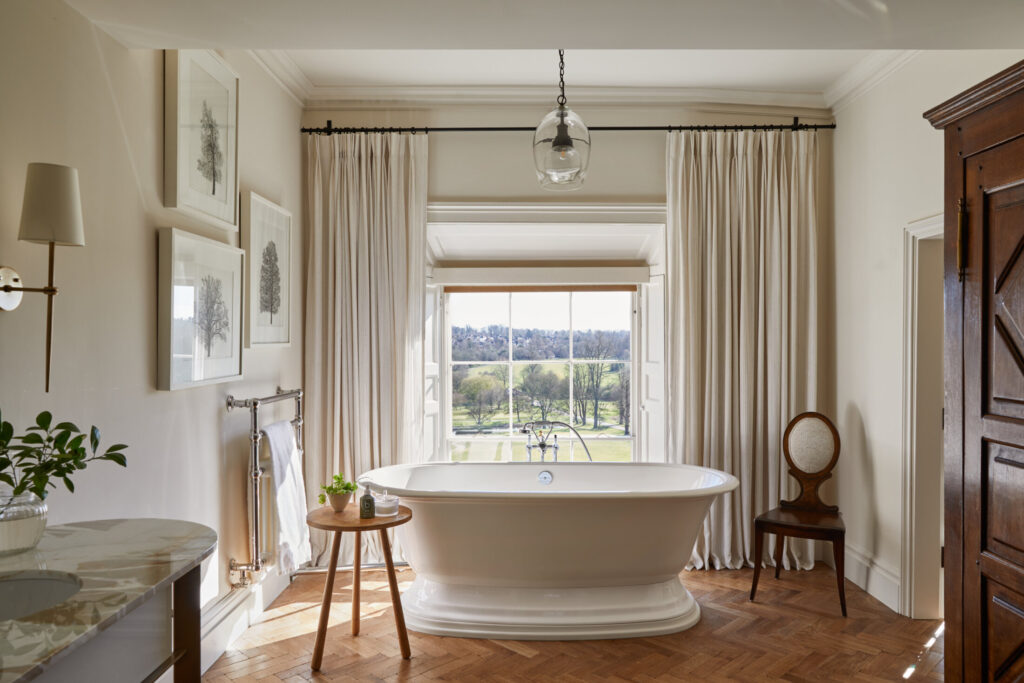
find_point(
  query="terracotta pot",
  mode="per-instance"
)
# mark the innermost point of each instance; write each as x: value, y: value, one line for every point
x: 338, y: 501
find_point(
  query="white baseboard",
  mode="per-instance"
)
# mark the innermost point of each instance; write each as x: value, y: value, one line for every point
x: 879, y: 582
x: 225, y: 619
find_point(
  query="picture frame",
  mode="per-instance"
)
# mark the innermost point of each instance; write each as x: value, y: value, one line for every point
x: 267, y: 241
x: 199, y: 312
x: 201, y: 136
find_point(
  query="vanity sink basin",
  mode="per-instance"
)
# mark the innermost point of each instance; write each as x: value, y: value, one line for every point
x: 27, y: 592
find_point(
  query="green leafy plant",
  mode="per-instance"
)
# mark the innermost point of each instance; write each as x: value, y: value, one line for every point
x: 339, y: 485
x: 46, y: 452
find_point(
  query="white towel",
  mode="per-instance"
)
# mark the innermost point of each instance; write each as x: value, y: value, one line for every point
x: 286, y: 461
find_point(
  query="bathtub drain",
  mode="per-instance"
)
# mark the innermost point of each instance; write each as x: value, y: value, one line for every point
x: 545, y: 477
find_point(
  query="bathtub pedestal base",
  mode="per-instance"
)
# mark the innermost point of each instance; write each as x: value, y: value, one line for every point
x: 532, y: 613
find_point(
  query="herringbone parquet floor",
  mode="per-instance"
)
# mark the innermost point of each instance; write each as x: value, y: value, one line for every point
x: 794, y: 632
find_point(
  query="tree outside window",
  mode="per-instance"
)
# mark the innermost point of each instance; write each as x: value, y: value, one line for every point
x: 518, y: 357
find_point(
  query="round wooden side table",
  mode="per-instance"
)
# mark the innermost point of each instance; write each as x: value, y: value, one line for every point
x: 327, y: 519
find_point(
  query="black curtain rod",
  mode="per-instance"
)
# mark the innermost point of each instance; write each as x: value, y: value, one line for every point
x: 796, y: 125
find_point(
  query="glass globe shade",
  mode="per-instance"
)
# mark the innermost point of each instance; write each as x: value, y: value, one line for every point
x: 561, y: 150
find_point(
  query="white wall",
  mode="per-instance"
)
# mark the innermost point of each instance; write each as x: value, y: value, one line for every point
x: 888, y: 172
x: 69, y: 94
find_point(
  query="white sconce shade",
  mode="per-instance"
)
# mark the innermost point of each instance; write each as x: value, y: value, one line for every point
x: 52, y: 209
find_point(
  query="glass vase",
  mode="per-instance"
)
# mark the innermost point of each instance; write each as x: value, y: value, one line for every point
x: 22, y: 521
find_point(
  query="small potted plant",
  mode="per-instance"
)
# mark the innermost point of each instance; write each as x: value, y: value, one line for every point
x: 31, y: 463
x: 339, y: 492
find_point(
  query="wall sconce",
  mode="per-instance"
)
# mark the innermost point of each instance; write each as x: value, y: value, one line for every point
x: 51, y: 214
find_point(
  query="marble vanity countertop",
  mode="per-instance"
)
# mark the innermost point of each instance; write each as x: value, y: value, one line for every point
x: 120, y: 562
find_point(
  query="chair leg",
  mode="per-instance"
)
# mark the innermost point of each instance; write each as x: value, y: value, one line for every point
x: 356, y: 567
x: 780, y: 548
x: 839, y: 552
x: 758, y: 547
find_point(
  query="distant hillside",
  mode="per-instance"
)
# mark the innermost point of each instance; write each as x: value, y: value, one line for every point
x: 491, y: 344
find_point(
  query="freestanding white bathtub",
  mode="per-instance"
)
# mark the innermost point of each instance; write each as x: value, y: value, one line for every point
x: 550, y: 551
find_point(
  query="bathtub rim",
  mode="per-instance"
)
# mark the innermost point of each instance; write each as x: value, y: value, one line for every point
x: 729, y: 483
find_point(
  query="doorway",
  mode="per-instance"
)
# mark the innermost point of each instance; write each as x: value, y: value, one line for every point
x: 921, y: 570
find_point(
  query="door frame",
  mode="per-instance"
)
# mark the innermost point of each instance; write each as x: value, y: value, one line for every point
x: 930, y: 227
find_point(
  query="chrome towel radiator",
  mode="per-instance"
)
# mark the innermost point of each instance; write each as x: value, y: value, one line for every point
x: 255, y: 564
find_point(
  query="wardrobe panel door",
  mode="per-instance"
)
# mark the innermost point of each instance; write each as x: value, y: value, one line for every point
x: 994, y: 416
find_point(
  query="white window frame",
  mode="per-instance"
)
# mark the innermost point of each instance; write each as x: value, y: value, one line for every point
x: 510, y: 362
x: 446, y: 221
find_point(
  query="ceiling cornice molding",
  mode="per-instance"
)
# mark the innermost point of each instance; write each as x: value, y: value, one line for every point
x: 857, y: 81
x: 865, y: 75
x: 375, y: 97
x: 283, y: 69
x: 285, y: 72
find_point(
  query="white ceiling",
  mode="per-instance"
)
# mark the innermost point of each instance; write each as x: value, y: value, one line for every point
x: 784, y: 70
x: 542, y: 24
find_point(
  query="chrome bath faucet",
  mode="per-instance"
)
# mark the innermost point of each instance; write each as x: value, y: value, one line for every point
x: 541, y: 429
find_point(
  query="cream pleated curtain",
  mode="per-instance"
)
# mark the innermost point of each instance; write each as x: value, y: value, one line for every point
x: 742, y: 320
x: 367, y: 201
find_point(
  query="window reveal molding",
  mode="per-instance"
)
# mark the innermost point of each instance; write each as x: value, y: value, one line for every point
x: 545, y: 276
x: 495, y: 289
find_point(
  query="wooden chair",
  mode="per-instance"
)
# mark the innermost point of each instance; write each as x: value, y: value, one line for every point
x: 811, y: 446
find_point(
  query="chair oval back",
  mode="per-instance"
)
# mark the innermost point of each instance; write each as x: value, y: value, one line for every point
x: 811, y: 443
x: 811, y: 446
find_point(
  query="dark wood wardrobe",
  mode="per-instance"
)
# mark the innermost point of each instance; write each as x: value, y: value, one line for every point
x: 984, y: 378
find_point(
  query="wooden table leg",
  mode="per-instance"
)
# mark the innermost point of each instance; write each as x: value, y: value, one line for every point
x: 780, y: 548
x: 396, y: 600
x: 758, y: 547
x: 356, y: 562
x: 325, y: 609
x: 838, y: 553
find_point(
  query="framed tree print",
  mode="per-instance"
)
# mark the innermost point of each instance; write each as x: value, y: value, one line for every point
x: 199, y: 312
x: 201, y: 136
x: 267, y: 239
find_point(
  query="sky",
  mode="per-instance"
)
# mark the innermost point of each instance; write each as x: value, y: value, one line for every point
x: 542, y: 310
x: 184, y: 301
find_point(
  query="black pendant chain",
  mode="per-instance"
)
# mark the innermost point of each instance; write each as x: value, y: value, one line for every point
x: 561, y: 78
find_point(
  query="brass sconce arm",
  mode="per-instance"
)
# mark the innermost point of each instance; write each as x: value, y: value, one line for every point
x: 51, y: 214
x: 52, y: 291
x: 8, y: 275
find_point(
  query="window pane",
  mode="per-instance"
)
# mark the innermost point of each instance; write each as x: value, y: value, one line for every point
x: 540, y: 325
x: 479, y: 325
x: 571, y: 450
x: 601, y: 323
x: 541, y: 392
x: 480, y: 399
x: 603, y: 450
x: 601, y: 399
x: 480, y: 450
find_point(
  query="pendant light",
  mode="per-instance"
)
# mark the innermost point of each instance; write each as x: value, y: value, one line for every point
x: 561, y: 144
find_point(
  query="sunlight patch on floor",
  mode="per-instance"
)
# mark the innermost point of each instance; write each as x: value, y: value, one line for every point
x: 298, y: 618
x: 927, y: 656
